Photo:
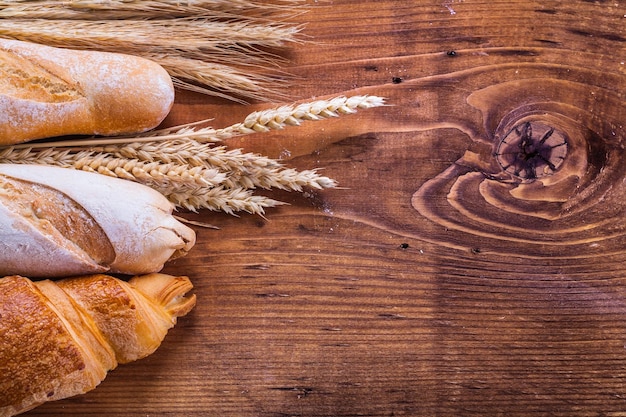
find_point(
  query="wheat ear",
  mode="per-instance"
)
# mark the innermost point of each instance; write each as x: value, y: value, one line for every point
x: 187, y: 166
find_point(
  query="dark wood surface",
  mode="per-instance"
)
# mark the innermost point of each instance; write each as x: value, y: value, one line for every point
x: 434, y: 283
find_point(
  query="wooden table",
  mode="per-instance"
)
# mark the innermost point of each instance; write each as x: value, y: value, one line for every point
x: 451, y: 275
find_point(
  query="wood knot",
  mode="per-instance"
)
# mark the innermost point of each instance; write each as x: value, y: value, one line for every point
x: 532, y: 150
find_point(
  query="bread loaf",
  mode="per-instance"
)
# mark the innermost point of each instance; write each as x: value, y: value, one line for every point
x: 47, y: 92
x: 59, y: 339
x: 58, y: 222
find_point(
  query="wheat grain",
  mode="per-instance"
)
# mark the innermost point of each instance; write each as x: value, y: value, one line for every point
x: 247, y: 170
x: 180, y: 163
x: 217, y: 47
x: 189, y: 187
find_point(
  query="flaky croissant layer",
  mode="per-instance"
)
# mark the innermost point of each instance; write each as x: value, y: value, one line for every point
x: 60, y: 338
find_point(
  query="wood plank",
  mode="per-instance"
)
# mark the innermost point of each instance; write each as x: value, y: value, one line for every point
x: 434, y: 282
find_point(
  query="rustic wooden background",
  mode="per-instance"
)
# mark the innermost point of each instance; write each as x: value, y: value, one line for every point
x: 433, y: 283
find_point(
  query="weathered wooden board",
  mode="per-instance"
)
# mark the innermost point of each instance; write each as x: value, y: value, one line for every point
x: 451, y: 275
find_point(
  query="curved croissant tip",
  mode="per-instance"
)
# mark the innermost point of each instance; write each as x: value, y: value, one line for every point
x: 167, y: 290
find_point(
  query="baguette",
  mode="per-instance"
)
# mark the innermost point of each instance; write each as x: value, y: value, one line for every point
x: 59, y: 339
x: 47, y: 92
x: 59, y: 222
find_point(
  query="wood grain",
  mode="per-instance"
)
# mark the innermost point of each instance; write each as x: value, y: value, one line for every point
x: 435, y: 282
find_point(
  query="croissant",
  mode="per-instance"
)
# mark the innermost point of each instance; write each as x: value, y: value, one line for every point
x: 60, y: 338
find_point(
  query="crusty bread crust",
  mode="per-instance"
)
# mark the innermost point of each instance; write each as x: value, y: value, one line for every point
x: 47, y: 92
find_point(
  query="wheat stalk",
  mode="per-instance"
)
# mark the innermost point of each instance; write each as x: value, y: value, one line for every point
x: 294, y: 115
x: 199, y: 38
x: 213, y: 47
x: 186, y: 165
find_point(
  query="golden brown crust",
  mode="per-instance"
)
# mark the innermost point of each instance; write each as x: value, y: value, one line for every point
x: 97, y: 353
x: 124, y: 317
x: 46, y: 92
x: 111, y: 307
